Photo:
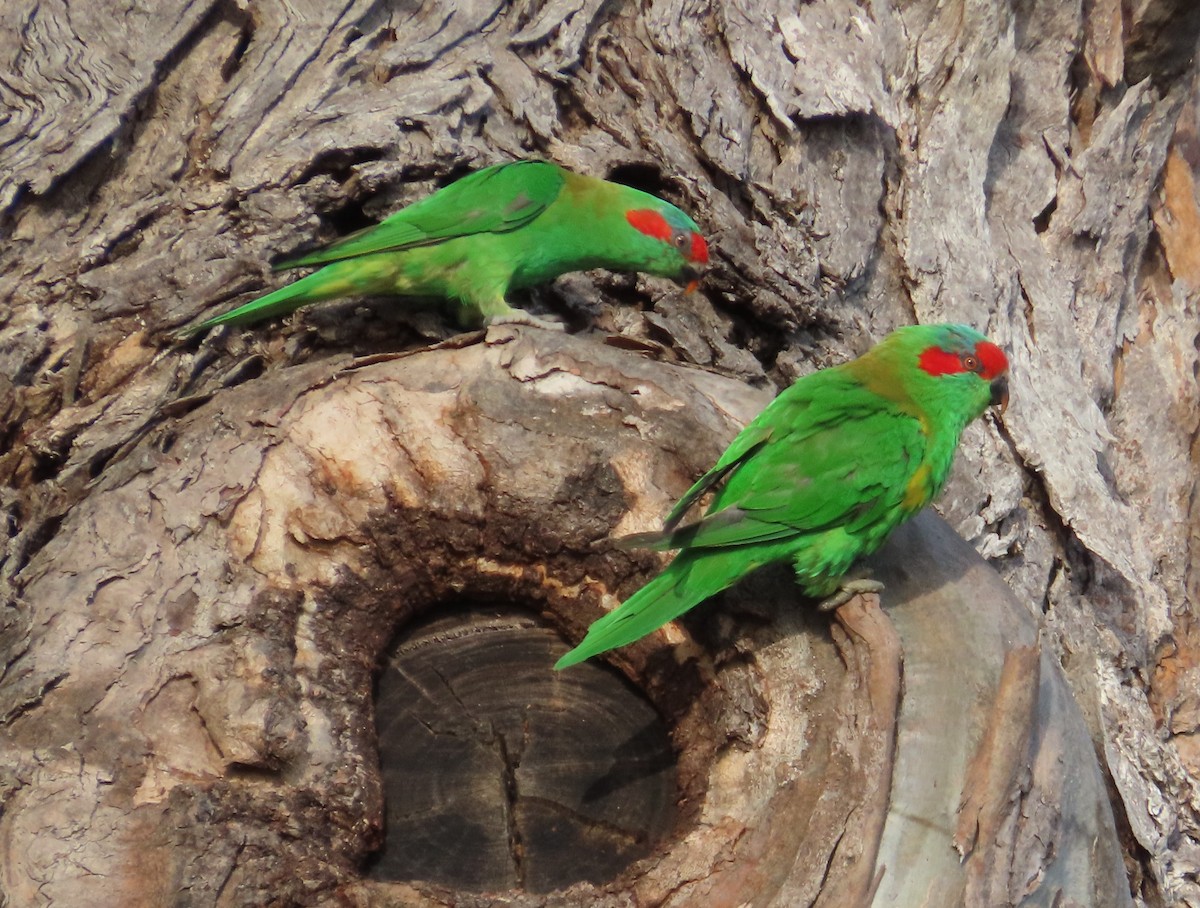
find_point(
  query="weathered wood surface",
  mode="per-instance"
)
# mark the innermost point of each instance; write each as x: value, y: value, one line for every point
x: 498, y: 774
x: 1028, y: 167
x: 211, y: 711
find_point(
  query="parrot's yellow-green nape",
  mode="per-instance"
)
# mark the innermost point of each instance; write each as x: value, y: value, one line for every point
x: 821, y: 476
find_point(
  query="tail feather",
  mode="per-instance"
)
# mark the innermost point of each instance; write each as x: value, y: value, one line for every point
x: 655, y: 539
x: 689, y: 580
x: 330, y: 282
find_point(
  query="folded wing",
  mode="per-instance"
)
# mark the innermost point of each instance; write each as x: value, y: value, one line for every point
x: 493, y: 200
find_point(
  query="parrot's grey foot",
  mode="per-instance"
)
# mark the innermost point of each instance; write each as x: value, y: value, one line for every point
x: 520, y: 317
x: 847, y: 591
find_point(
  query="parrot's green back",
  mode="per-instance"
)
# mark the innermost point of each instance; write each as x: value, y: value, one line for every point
x: 507, y: 226
x: 820, y: 477
x: 494, y: 200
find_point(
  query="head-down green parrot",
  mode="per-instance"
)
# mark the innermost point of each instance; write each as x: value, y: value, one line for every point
x: 820, y: 477
x: 505, y: 227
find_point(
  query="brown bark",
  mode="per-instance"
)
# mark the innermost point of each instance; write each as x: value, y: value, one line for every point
x: 195, y: 530
x: 245, y: 580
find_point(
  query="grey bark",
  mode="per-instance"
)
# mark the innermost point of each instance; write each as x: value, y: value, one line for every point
x: 1026, y: 167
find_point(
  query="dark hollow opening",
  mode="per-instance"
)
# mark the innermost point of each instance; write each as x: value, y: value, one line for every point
x: 500, y: 773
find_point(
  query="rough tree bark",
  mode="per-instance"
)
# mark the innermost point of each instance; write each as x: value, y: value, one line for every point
x: 210, y: 546
x: 244, y: 575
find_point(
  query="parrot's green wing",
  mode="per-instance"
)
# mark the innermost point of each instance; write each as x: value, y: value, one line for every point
x: 803, y: 483
x: 747, y: 442
x: 493, y: 200
x: 810, y: 462
x: 804, y: 465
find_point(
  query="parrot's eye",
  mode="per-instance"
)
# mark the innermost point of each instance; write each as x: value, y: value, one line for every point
x: 682, y: 241
x: 971, y: 363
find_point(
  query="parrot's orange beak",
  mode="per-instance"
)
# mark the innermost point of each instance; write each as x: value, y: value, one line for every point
x: 1000, y: 393
x: 690, y: 278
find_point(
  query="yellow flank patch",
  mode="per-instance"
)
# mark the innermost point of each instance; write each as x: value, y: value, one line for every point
x: 916, y: 493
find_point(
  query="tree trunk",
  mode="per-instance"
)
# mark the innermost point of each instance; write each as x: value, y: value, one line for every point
x: 281, y: 605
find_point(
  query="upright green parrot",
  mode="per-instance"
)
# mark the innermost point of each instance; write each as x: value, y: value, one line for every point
x: 820, y: 477
x: 507, y: 226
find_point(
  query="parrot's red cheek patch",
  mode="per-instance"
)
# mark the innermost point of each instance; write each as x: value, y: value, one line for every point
x: 649, y: 222
x: 937, y: 361
x: 993, y: 359
x: 699, y: 250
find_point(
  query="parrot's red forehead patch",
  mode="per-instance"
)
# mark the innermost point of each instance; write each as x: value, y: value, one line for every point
x: 993, y: 359
x: 699, y: 249
x: 988, y: 361
x: 650, y: 222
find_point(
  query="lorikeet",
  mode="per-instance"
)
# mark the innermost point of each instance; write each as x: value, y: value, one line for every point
x: 508, y: 226
x: 820, y: 477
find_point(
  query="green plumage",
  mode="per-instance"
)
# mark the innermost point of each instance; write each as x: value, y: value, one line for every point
x: 820, y: 477
x: 508, y: 226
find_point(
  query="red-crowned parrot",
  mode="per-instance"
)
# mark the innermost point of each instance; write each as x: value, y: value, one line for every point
x: 507, y: 226
x: 820, y: 477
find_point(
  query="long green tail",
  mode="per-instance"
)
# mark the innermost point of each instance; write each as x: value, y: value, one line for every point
x: 347, y: 278
x: 687, y: 581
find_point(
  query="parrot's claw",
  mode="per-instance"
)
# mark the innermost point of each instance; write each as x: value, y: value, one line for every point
x: 847, y: 591
x: 520, y: 317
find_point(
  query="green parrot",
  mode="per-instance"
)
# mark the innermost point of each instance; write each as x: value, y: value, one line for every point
x: 504, y: 227
x: 820, y: 477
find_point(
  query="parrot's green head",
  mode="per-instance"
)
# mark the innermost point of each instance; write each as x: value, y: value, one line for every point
x: 665, y: 241
x: 951, y: 371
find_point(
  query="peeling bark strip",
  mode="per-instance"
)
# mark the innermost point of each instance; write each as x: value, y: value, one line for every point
x: 997, y: 779
x: 993, y: 776
x: 1029, y: 168
x: 873, y: 654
